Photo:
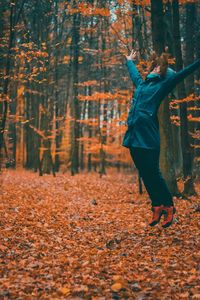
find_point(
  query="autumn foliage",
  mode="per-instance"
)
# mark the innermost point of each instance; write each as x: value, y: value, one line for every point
x: 65, y: 95
x: 66, y: 86
x: 83, y: 237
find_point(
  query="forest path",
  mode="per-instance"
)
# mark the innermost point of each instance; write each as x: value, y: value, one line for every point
x: 85, y: 237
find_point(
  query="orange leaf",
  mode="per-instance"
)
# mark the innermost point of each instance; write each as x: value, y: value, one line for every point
x: 116, y: 287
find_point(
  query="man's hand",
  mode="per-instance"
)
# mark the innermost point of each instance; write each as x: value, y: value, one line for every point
x: 132, y: 56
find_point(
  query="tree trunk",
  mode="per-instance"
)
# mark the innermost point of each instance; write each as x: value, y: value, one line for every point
x: 196, y: 142
x: 185, y: 143
x: 75, y: 102
x: 90, y: 115
x: 190, y: 43
x: 4, y: 105
x: 166, y: 157
x: 177, y: 153
x: 20, y: 133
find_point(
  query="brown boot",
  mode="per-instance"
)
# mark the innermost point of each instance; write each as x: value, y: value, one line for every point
x: 169, y: 215
x: 157, y: 214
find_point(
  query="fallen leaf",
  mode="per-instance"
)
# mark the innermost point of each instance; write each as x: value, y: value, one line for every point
x: 116, y: 287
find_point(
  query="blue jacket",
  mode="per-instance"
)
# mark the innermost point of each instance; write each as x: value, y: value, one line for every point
x: 143, y: 125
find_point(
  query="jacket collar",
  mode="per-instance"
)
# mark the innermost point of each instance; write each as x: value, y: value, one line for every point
x: 152, y: 77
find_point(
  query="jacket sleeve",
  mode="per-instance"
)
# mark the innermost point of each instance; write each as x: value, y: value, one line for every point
x: 182, y: 74
x: 133, y: 72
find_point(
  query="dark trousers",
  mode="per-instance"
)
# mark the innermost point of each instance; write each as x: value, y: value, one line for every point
x: 147, y: 163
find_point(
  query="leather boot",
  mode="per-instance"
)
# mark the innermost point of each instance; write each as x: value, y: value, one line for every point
x: 169, y: 212
x: 157, y: 214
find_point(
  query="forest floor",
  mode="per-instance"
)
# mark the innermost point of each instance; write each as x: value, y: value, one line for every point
x: 85, y: 237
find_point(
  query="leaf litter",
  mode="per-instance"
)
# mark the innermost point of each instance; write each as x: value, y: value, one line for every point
x: 85, y: 237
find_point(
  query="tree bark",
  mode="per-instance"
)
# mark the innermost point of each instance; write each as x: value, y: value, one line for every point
x: 166, y: 157
x: 75, y: 102
x: 4, y: 106
x: 185, y: 142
